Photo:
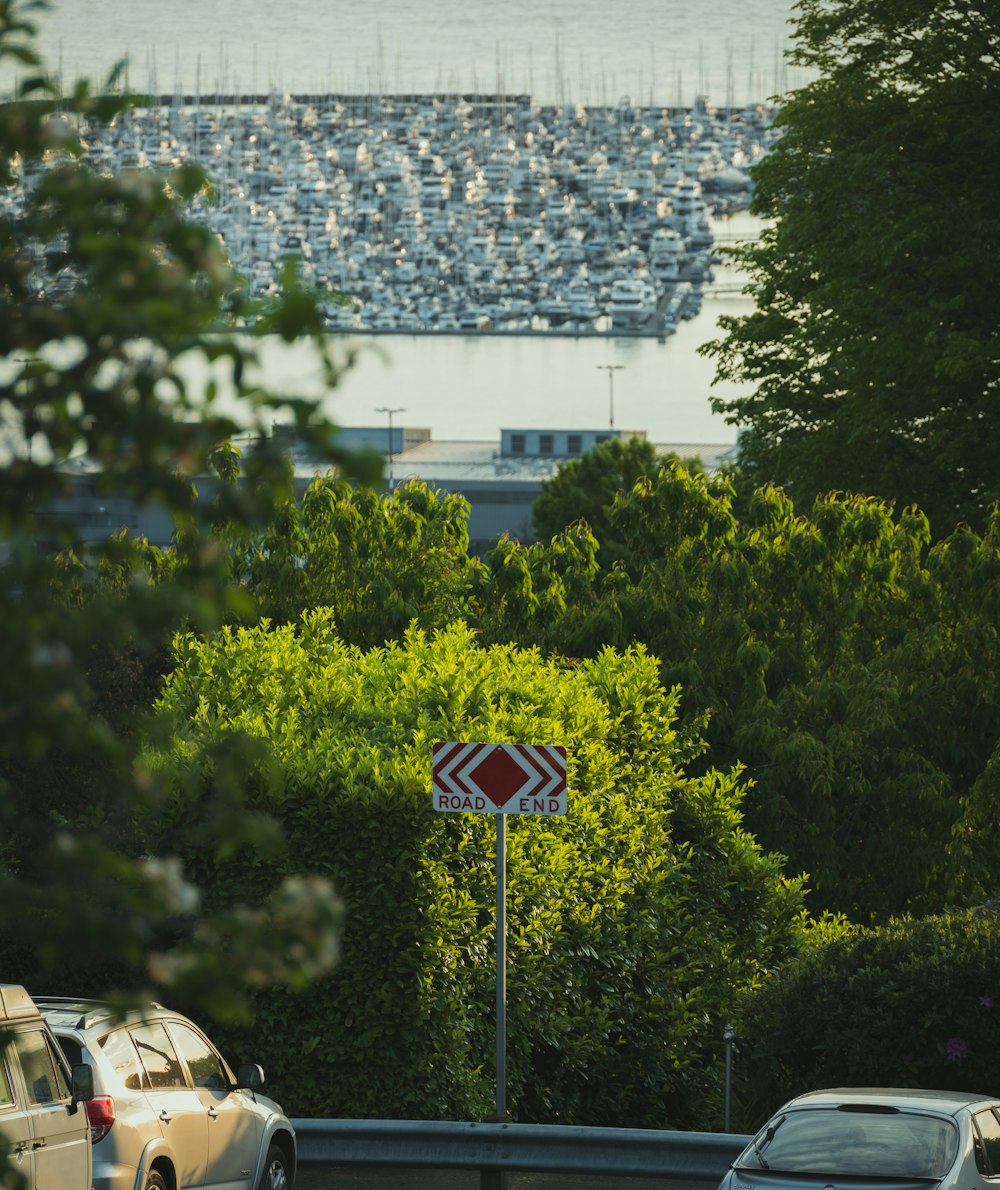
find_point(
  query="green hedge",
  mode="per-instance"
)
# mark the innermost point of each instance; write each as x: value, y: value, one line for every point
x: 915, y: 1003
x: 632, y: 921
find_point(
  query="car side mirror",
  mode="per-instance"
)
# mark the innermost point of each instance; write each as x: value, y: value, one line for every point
x: 82, y: 1085
x: 250, y: 1077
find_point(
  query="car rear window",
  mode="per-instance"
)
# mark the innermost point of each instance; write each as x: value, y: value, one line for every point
x: 120, y: 1053
x: 158, y: 1056
x: 846, y: 1141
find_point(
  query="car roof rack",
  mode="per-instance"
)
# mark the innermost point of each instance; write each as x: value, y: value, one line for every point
x: 88, y: 1012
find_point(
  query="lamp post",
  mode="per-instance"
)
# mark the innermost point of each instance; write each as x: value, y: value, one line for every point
x: 611, y: 369
x: 385, y: 409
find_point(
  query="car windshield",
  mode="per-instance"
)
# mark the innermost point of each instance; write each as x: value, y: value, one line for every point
x: 845, y: 1140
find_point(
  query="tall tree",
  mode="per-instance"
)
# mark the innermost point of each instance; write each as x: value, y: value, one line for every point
x: 584, y: 489
x: 872, y: 350
x: 850, y: 666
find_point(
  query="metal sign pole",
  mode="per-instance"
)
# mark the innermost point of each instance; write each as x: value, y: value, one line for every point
x: 509, y: 778
x: 496, y: 1179
x: 501, y: 1112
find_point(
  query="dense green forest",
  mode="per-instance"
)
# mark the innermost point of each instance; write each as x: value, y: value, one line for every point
x: 849, y: 665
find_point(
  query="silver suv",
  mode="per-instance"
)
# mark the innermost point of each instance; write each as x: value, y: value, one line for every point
x: 167, y: 1111
x: 43, y: 1127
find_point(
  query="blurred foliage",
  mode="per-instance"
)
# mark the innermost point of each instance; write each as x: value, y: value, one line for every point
x: 105, y: 283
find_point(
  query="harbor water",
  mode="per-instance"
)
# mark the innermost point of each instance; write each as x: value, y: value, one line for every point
x: 469, y: 387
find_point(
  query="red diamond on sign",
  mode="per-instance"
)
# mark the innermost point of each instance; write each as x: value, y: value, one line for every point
x: 499, y: 776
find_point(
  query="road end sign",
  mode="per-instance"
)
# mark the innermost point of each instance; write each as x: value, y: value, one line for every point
x: 500, y: 778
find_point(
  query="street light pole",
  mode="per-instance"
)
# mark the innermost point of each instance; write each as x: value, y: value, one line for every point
x: 611, y: 369
x: 391, y: 452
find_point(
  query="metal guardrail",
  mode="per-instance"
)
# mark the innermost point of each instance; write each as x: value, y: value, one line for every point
x: 541, y: 1148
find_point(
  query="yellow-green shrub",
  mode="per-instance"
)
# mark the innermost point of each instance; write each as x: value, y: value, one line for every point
x: 632, y: 920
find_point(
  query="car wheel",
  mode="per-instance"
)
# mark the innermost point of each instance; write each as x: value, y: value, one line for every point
x: 275, y: 1175
x: 154, y: 1181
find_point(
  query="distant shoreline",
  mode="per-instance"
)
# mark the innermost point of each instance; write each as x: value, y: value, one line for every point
x: 358, y: 102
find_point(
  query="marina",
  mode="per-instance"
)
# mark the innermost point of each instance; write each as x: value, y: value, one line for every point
x: 462, y: 213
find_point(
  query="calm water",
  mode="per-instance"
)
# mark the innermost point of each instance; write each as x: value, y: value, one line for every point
x: 469, y: 387
x: 589, y: 51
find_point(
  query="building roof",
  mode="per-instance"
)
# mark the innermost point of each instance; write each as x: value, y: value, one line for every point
x: 456, y: 462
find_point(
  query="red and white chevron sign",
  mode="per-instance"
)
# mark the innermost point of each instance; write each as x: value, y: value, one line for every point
x: 500, y: 778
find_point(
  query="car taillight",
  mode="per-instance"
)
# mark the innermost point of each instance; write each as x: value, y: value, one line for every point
x: 101, y: 1114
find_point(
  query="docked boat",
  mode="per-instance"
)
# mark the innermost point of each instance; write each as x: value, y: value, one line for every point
x: 554, y: 308
x: 582, y: 303
x: 633, y: 303
x: 686, y: 197
x: 475, y: 318
x: 667, y: 253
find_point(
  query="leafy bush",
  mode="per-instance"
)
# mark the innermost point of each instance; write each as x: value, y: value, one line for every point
x: 915, y: 1003
x: 379, y: 561
x: 632, y: 920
